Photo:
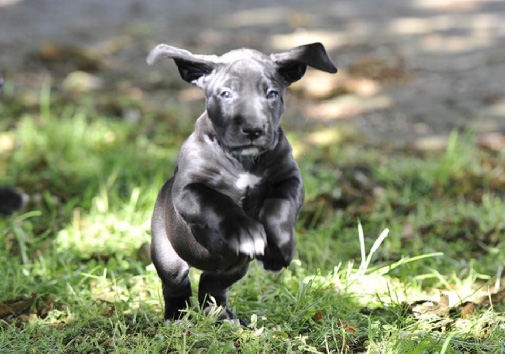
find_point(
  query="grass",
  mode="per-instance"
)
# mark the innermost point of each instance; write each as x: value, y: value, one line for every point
x: 392, y: 244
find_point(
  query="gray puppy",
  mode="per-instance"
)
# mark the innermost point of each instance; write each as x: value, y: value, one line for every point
x: 236, y: 191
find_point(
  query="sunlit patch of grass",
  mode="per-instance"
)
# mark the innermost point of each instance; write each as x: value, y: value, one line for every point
x: 93, y: 179
x: 110, y: 227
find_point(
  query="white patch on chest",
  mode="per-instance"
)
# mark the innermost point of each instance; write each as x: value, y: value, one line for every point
x: 247, y: 180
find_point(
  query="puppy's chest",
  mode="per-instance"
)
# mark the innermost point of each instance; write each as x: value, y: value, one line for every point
x: 252, y: 189
x: 246, y: 181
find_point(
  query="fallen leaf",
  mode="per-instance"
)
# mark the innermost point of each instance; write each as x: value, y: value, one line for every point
x: 318, y: 316
x: 109, y: 312
x: 430, y: 308
x: 467, y: 309
x: 348, y: 328
x: 16, y: 306
x: 498, y: 297
x: 48, y: 306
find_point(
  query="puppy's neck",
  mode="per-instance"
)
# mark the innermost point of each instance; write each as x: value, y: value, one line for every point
x: 248, y: 161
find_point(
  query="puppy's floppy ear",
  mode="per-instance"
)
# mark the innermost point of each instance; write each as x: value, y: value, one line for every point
x: 293, y: 63
x: 192, y: 67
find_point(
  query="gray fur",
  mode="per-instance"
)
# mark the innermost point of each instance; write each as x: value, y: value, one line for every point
x: 236, y: 191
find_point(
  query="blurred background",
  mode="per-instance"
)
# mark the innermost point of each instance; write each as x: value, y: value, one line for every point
x: 409, y: 70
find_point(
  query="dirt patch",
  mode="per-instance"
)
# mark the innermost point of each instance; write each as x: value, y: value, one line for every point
x: 420, y: 68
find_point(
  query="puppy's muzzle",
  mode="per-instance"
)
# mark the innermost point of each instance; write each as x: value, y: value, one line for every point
x: 252, y: 132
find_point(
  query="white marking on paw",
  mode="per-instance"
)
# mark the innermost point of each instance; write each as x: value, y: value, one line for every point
x: 259, y: 246
x: 247, y: 180
x: 247, y: 248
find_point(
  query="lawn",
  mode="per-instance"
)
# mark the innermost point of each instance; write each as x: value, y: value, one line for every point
x: 398, y: 250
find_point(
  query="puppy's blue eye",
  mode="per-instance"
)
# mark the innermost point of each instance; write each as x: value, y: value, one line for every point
x: 226, y: 94
x: 272, y: 95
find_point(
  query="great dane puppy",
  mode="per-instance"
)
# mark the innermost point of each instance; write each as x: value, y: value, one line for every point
x: 236, y: 191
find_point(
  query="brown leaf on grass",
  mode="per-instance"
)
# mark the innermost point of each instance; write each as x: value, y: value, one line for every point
x: 109, y: 312
x: 318, y: 316
x: 468, y: 308
x: 150, y: 331
x: 47, y: 307
x: 497, y: 294
x: 436, y: 311
x: 442, y: 315
x: 28, y: 309
x: 16, y: 307
x: 105, y: 342
x: 428, y: 308
x: 498, y: 297
x: 347, y: 327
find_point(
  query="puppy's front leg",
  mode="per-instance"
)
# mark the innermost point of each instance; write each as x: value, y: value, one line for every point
x: 278, y: 215
x: 204, y: 208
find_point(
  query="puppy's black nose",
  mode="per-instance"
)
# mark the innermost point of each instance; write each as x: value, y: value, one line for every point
x: 252, y: 132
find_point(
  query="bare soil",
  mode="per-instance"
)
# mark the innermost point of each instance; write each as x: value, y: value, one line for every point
x: 410, y: 71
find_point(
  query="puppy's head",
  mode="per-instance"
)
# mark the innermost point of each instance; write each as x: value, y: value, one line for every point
x: 245, y: 89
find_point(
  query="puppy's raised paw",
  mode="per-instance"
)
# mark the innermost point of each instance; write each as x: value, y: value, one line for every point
x: 245, y: 236
x: 252, y: 247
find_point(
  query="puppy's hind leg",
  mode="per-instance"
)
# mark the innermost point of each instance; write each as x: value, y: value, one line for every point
x: 217, y: 285
x: 172, y: 270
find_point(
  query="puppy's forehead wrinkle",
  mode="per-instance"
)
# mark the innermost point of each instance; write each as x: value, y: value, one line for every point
x: 241, y: 74
x: 245, y: 62
x: 241, y: 54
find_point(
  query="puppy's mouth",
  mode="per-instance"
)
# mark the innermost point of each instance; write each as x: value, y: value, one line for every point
x: 249, y: 150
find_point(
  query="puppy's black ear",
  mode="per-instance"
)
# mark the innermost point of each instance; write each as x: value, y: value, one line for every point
x: 192, y: 67
x: 293, y: 63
